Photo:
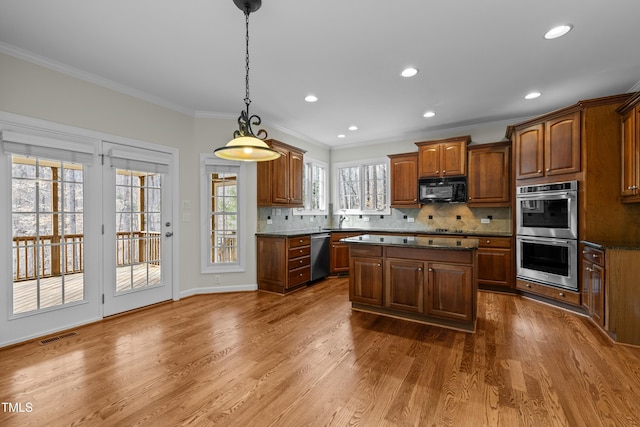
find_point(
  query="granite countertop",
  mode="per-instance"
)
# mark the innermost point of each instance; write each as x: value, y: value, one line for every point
x: 414, y: 242
x: 613, y: 244
x: 461, y: 234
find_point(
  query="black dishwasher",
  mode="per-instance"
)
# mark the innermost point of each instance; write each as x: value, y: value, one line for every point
x: 319, y: 256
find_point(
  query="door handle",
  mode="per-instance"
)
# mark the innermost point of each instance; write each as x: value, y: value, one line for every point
x: 168, y: 234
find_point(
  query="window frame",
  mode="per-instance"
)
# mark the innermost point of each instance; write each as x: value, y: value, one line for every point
x: 206, y: 266
x: 361, y: 164
x: 306, y: 182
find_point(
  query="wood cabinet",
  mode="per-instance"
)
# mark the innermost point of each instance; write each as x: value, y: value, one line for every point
x: 630, y: 174
x: 593, y: 284
x: 449, y: 290
x: 495, y: 262
x: 443, y: 158
x: 339, y: 256
x: 283, y: 263
x: 489, y: 175
x: 365, y: 281
x: 556, y: 294
x: 404, y: 180
x: 280, y: 181
x: 436, y: 286
x: 550, y: 148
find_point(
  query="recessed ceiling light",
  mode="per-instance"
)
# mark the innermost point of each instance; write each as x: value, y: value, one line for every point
x: 558, y: 31
x: 532, y: 95
x: 342, y: 135
x: 311, y: 98
x: 409, y: 72
x: 429, y: 114
x: 353, y: 127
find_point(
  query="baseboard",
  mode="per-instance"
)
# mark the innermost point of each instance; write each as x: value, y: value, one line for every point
x: 218, y: 290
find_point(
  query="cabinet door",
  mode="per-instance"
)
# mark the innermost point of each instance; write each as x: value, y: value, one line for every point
x: 597, y: 295
x: 453, y: 158
x: 629, y: 155
x: 296, y: 179
x: 280, y: 179
x: 494, y: 267
x: 449, y: 292
x: 489, y: 176
x: 404, y: 285
x: 365, y: 281
x: 404, y: 180
x: 587, y: 268
x: 429, y: 160
x: 339, y: 260
x: 529, y: 148
x: 562, y: 145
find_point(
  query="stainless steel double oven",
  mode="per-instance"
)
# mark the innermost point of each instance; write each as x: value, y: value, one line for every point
x: 547, y: 234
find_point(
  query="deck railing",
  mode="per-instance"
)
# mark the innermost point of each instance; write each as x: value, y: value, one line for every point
x: 65, y: 255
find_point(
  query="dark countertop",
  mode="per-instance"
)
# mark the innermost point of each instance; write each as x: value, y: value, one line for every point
x: 613, y: 244
x: 293, y: 233
x: 415, y: 242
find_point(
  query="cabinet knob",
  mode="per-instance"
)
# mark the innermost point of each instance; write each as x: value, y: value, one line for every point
x: 488, y: 241
x: 300, y: 274
x: 560, y: 294
x: 539, y: 171
x: 469, y: 198
x: 528, y: 285
x: 588, y: 269
x: 548, y: 169
x: 438, y: 171
x: 419, y: 269
x: 596, y: 255
x: 300, y: 261
x: 300, y: 240
x: 444, y: 171
x: 379, y: 265
x: 415, y: 200
x: 430, y: 269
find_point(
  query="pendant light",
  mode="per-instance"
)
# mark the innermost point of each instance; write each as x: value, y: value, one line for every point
x: 245, y: 145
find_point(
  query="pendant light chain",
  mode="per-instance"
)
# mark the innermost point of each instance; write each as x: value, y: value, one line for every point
x: 247, y: 100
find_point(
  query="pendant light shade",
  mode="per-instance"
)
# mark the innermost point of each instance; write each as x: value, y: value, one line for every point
x: 245, y: 145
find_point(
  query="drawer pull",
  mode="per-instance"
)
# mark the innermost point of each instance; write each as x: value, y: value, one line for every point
x: 596, y: 256
x: 488, y: 241
x: 561, y: 294
x: 528, y: 285
x: 300, y: 240
x: 300, y: 250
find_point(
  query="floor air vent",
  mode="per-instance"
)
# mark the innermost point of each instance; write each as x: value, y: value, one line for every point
x: 57, y: 338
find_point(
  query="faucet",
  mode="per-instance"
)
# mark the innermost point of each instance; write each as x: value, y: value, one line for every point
x: 342, y: 219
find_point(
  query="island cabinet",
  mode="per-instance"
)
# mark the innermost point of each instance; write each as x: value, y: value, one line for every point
x: 443, y: 158
x: 283, y: 263
x: 630, y: 111
x: 489, y: 175
x: 549, y: 148
x: 429, y: 284
x: 404, y: 180
x: 339, y: 255
x: 280, y: 181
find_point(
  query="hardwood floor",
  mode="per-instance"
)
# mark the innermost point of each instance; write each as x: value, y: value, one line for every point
x: 258, y: 359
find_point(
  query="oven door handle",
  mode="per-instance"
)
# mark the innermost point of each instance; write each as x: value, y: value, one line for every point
x: 545, y: 196
x: 556, y: 242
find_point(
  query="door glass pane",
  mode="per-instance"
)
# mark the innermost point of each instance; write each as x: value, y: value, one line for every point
x: 138, y: 225
x: 47, y: 233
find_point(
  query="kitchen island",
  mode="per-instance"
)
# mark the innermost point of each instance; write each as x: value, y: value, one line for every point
x: 422, y: 279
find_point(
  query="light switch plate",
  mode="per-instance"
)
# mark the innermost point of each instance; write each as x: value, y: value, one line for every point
x: 410, y: 219
x: 485, y: 221
x: 186, y: 204
x: 186, y: 217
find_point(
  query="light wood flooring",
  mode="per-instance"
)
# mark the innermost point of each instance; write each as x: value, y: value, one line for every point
x: 305, y: 359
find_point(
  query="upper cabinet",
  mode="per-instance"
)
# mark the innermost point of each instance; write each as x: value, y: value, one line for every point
x: 549, y: 148
x: 404, y: 180
x: 489, y: 175
x: 630, y: 190
x: 280, y: 181
x: 443, y: 158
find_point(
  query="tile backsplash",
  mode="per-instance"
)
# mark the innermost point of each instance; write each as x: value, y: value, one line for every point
x: 452, y: 217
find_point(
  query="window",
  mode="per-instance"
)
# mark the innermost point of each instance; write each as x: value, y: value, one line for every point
x: 315, y: 188
x: 362, y: 187
x: 221, y: 222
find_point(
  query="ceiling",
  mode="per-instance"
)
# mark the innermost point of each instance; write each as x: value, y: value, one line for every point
x: 476, y: 58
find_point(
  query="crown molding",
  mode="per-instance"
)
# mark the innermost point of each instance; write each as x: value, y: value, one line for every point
x: 635, y: 87
x: 91, y: 78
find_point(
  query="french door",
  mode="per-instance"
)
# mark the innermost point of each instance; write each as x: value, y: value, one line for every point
x: 138, y: 227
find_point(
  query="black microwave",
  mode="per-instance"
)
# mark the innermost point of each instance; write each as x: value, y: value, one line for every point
x: 442, y: 190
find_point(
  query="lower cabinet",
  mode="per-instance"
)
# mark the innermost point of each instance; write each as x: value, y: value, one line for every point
x: 495, y: 263
x: 593, y: 291
x: 431, y: 286
x: 339, y: 256
x: 284, y: 263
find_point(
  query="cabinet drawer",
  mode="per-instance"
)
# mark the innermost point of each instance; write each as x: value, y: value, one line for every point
x: 299, y: 275
x: 494, y: 242
x: 549, y: 292
x: 299, y: 262
x: 366, y: 251
x: 299, y: 251
x: 594, y: 255
x: 295, y: 242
